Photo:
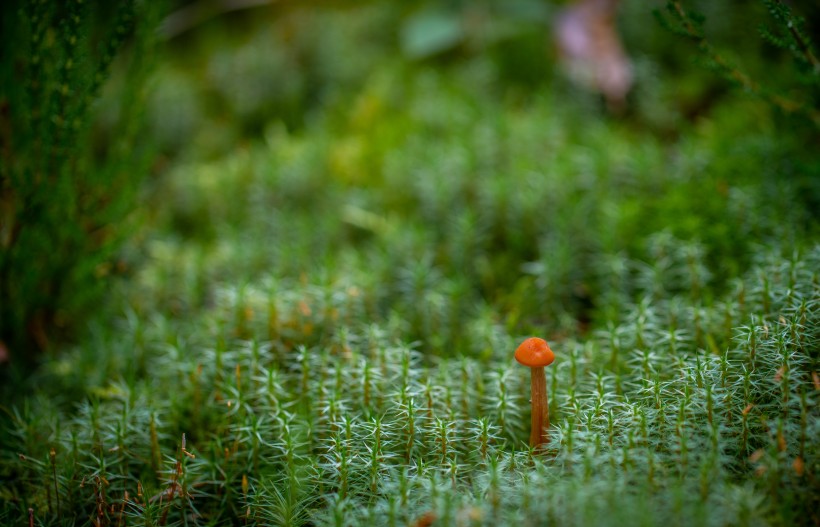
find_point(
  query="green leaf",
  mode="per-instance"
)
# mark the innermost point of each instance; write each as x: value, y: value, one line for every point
x: 431, y: 32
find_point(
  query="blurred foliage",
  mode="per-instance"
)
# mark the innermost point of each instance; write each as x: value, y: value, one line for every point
x: 412, y: 144
x: 62, y: 199
x: 287, y: 61
x: 789, y: 35
x: 457, y: 201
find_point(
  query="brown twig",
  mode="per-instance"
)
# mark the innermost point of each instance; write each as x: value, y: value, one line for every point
x: 53, y: 458
x: 805, y: 49
x: 197, y: 13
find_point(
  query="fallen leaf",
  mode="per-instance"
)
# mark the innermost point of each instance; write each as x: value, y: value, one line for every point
x: 591, y: 50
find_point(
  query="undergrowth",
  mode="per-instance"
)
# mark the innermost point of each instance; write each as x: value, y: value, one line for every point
x: 318, y: 329
x: 361, y: 428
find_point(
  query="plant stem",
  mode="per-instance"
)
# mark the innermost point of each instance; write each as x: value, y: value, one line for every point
x: 540, y: 410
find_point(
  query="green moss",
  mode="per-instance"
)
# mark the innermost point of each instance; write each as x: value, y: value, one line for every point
x: 318, y: 325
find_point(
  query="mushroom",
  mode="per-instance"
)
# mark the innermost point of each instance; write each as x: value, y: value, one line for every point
x: 535, y: 353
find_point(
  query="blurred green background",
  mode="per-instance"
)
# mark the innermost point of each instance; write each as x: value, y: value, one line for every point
x: 416, y: 115
x: 444, y: 145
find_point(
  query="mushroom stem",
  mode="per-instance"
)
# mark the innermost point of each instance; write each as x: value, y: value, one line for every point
x: 540, y: 409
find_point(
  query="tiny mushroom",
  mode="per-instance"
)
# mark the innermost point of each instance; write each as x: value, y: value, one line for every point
x: 536, y: 353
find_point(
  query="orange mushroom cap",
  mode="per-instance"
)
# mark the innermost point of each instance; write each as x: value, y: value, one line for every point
x: 534, y: 352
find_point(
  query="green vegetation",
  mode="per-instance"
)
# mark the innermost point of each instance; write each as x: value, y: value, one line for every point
x: 317, y: 312
x: 64, y: 199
